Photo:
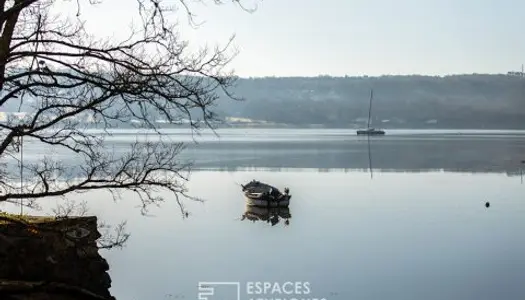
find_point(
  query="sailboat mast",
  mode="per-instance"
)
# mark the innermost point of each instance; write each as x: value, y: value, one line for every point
x: 370, y: 107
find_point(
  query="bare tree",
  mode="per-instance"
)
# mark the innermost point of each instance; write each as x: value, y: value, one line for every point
x: 61, y: 75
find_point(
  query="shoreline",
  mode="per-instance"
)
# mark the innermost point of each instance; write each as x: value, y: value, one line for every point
x: 45, y: 257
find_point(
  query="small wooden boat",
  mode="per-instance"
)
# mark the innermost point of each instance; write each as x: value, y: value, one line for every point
x: 265, y: 195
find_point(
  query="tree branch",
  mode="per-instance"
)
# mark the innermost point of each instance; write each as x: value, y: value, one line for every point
x: 59, y: 74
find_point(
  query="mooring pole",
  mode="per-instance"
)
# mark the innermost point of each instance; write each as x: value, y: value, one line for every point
x: 21, y: 174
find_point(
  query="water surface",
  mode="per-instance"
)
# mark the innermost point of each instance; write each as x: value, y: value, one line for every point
x: 407, y: 150
x: 398, y: 236
x: 415, y: 228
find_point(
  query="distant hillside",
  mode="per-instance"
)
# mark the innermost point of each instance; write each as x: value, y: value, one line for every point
x: 459, y: 101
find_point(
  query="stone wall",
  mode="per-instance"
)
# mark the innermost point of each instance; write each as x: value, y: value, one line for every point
x: 52, y: 259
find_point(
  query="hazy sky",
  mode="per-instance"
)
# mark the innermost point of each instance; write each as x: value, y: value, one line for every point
x: 356, y: 37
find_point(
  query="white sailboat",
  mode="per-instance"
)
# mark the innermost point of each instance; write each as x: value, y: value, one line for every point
x: 369, y: 130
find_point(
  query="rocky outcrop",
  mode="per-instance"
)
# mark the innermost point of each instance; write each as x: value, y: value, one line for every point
x: 44, y: 258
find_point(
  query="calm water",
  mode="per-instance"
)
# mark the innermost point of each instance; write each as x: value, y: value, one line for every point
x: 407, y: 150
x: 410, y: 230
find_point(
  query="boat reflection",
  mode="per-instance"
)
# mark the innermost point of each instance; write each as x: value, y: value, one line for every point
x: 272, y: 215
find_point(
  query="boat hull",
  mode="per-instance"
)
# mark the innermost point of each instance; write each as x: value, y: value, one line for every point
x: 368, y: 132
x: 283, y: 202
x: 264, y: 195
